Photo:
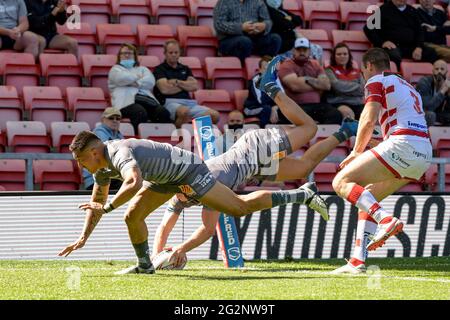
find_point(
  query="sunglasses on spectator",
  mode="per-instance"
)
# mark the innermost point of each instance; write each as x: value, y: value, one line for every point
x: 114, y: 118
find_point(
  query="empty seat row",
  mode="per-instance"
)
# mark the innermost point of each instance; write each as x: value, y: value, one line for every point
x: 173, y: 12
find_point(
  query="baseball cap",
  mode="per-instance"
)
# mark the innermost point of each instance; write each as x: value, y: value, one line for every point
x: 111, y: 112
x: 301, y: 43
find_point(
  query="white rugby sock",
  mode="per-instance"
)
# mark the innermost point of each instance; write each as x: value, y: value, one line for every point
x: 365, y: 201
x: 366, y: 226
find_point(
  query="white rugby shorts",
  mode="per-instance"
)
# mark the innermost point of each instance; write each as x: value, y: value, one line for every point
x: 405, y: 156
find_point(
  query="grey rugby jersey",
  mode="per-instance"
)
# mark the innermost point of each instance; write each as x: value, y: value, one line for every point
x: 161, y: 163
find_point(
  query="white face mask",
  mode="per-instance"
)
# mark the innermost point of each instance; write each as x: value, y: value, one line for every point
x: 274, y: 3
x: 402, y: 8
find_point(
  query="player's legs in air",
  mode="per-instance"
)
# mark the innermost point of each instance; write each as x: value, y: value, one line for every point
x: 289, y: 169
x: 366, y: 228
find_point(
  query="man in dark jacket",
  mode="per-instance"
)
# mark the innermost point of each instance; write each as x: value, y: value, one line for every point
x: 436, y: 27
x: 400, y: 34
x: 284, y: 24
x: 43, y: 16
x: 435, y: 92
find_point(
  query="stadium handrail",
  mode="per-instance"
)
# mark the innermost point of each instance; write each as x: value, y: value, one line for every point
x: 29, y: 157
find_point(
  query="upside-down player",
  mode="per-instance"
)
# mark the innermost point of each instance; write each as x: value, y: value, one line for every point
x: 235, y: 173
x: 153, y: 172
x: 367, y: 177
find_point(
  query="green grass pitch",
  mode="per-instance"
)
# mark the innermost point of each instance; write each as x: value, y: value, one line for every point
x: 391, y: 278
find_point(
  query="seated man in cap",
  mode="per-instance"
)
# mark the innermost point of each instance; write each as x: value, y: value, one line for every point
x: 107, y: 130
x: 304, y: 81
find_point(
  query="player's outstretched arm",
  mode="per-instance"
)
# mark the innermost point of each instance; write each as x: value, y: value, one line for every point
x: 99, y: 195
x: 171, y: 215
x: 200, y: 236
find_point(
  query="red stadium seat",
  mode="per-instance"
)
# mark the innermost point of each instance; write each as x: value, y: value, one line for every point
x: 10, y: 106
x: 293, y: 6
x: 225, y: 73
x: 2, y: 140
x: 87, y: 40
x: 96, y: 69
x: 319, y: 37
x: 324, y: 174
x: 132, y: 12
x: 87, y: 104
x: 112, y: 36
x: 431, y: 178
x: 56, y: 175
x: 152, y: 38
x: 60, y: 70
x: 197, y: 41
x: 127, y: 130
x: 19, y: 70
x: 172, y: 12
x: 354, y: 14
x: 356, y: 41
x: 197, y: 70
x: 159, y: 132
x: 202, y: 12
x: 94, y: 11
x: 12, y: 174
x: 27, y: 136
x: 45, y: 104
x: 217, y: 99
x: 251, y: 66
x: 413, y: 71
x: 149, y: 61
x: 321, y: 15
x: 239, y: 98
x: 440, y: 138
x: 62, y: 134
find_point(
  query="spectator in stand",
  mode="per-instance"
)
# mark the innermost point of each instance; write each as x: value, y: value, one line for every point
x: 243, y: 28
x: 436, y: 27
x: 435, y: 92
x: 14, y: 26
x: 235, y: 126
x: 284, y: 24
x: 304, y: 81
x: 347, y: 83
x: 174, y: 83
x: 131, y: 89
x: 42, y: 17
x: 258, y: 103
x: 400, y: 34
x: 107, y: 130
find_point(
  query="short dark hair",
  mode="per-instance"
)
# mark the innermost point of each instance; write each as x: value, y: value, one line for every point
x: 333, y: 63
x: 378, y: 57
x: 82, y: 140
x: 132, y: 48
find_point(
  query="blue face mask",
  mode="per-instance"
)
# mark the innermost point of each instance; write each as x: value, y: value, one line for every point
x: 274, y: 3
x: 128, y: 63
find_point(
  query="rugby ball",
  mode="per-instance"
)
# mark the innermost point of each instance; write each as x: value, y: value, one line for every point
x: 163, y: 261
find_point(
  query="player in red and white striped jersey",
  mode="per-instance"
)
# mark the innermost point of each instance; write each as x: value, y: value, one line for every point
x: 367, y: 177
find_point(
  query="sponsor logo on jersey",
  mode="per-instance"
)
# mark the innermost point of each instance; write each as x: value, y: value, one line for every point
x: 279, y: 155
x: 417, y: 125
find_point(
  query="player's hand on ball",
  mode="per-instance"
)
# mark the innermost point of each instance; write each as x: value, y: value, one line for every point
x: 178, y: 257
x: 96, y: 207
x: 74, y: 246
